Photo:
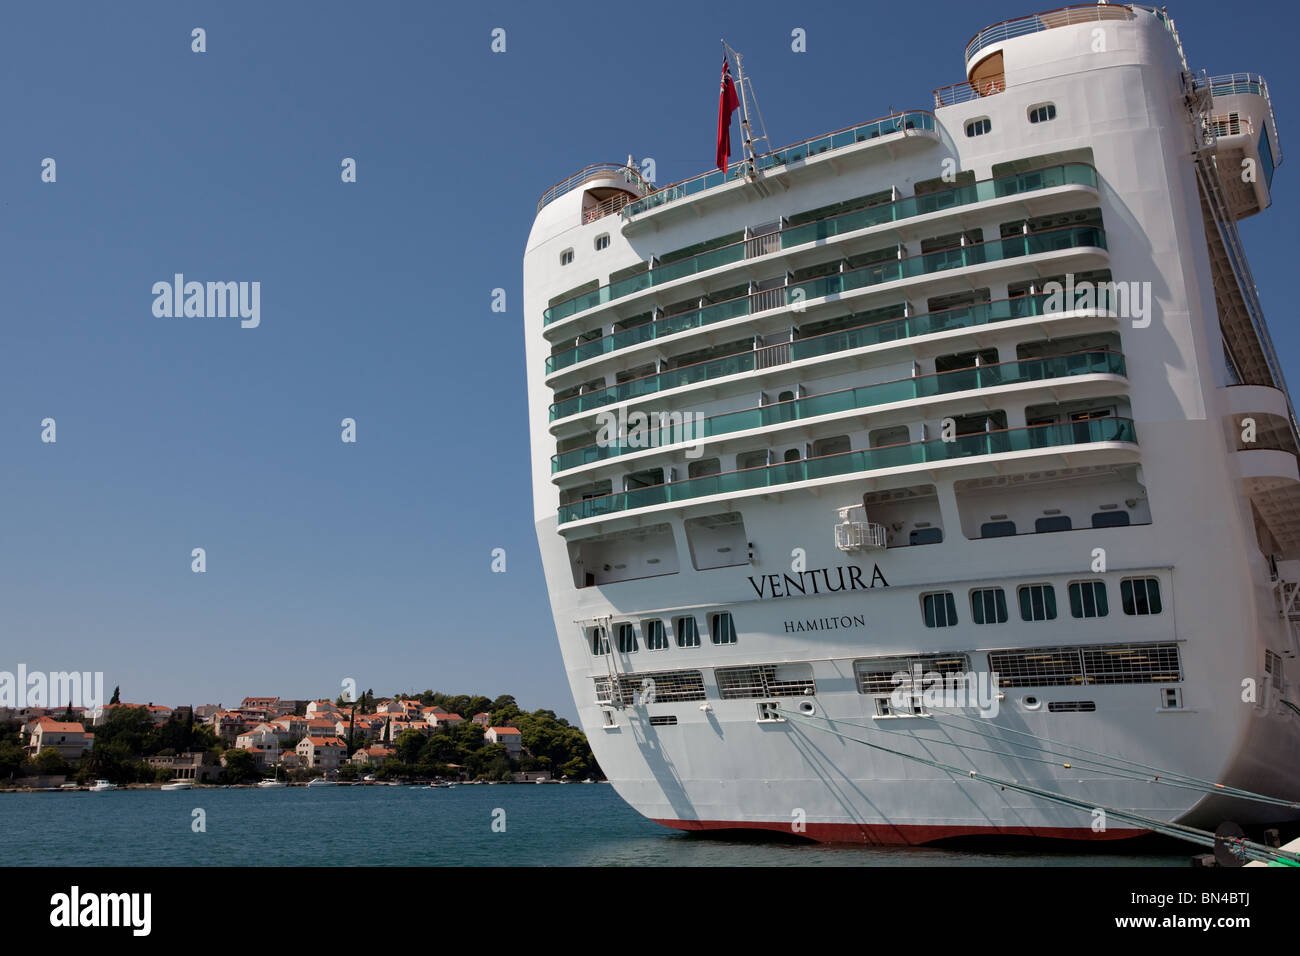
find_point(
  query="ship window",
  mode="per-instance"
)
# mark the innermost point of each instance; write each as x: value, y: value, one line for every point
x: 894, y: 435
x: 1043, y: 113
x: 1140, y: 595
x: 688, y: 632
x: 704, y: 468
x: 656, y: 639
x: 978, y: 127
x: 1088, y: 599
x: 1037, y: 602
x: 791, y: 454
x: 602, y: 241
x: 939, y: 609
x: 599, y: 638
x: 988, y: 606
x: 722, y: 629
x: 1110, y: 519
x: 835, y: 445
x: 997, y: 529
x: 626, y: 638
x: 1052, y: 523
x: 925, y: 536
x: 566, y: 257
x: 751, y: 459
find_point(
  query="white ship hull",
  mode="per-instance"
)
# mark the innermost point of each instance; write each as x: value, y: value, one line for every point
x: 1115, y: 506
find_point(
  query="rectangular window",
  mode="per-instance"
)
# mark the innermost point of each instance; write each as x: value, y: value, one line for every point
x: 978, y: 127
x: 988, y: 606
x: 1088, y: 599
x: 656, y: 638
x: 997, y: 529
x: 688, y: 632
x: 1037, y: 602
x: 722, y: 630
x: 599, y: 638
x: 939, y: 609
x: 626, y: 638
x: 1140, y: 595
x: 925, y: 536
x: 1110, y: 519
x: 1052, y: 523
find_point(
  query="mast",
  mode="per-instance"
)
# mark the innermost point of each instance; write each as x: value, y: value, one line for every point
x: 744, y: 109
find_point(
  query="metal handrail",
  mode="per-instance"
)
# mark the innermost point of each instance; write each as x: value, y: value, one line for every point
x: 1034, y: 23
x: 966, y: 90
x: 1229, y: 84
x: 901, y: 201
x: 776, y: 157
x: 653, y: 435
x: 586, y: 175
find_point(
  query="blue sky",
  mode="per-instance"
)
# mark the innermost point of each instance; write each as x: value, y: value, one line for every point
x: 371, y: 560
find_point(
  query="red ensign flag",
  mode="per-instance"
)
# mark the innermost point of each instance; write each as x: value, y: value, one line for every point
x: 727, y: 104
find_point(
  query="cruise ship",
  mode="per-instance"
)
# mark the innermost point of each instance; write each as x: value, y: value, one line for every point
x: 935, y: 477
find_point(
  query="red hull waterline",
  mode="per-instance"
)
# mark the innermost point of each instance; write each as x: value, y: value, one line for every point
x: 907, y: 835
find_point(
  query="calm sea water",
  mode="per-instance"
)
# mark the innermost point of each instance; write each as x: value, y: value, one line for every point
x: 576, y: 825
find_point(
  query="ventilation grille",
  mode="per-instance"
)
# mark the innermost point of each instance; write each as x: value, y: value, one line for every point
x: 878, y: 676
x: 1072, y: 706
x: 669, y: 687
x: 1074, y: 666
x: 664, y: 720
x: 761, y: 680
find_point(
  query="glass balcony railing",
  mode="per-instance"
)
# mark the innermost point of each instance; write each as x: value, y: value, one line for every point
x: 1071, y: 237
x: 900, y: 122
x: 865, y: 396
x: 1028, y: 181
x: 1005, y: 441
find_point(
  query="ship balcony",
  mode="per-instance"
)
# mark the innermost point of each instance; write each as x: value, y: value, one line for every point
x: 959, y: 262
x: 1030, y: 193
x: 923, y: 395
x: 1096, y: 441
x: 990, y: 40
x: 1246, y: 146
x: 612, y: 177
x: 830, y: 154
x: 1265, y: 470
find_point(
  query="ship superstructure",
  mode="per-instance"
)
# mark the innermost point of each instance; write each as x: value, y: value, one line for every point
x: 978, y: 389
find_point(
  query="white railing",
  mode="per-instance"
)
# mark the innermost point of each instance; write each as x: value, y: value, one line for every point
x: 855, y: 533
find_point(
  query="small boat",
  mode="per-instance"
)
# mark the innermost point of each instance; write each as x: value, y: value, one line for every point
x: 271, y: 784
x: 99, y: 786
x: 322, y: 782
x: 178, y: 785
x: 368, y: 778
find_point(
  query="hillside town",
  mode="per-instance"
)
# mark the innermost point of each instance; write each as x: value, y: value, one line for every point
x: 417, y: 737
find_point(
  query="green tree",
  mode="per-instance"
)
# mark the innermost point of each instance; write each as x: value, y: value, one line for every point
x: 49, y: 761
x: 240, y: 766
x: 117, y: 696
x: 408, y: 746
x: 13, y: 760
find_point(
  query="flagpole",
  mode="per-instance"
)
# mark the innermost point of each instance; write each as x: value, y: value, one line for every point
x: 744, y: 109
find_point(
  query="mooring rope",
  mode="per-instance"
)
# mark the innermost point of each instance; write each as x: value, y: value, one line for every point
x: 1239, y: 846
